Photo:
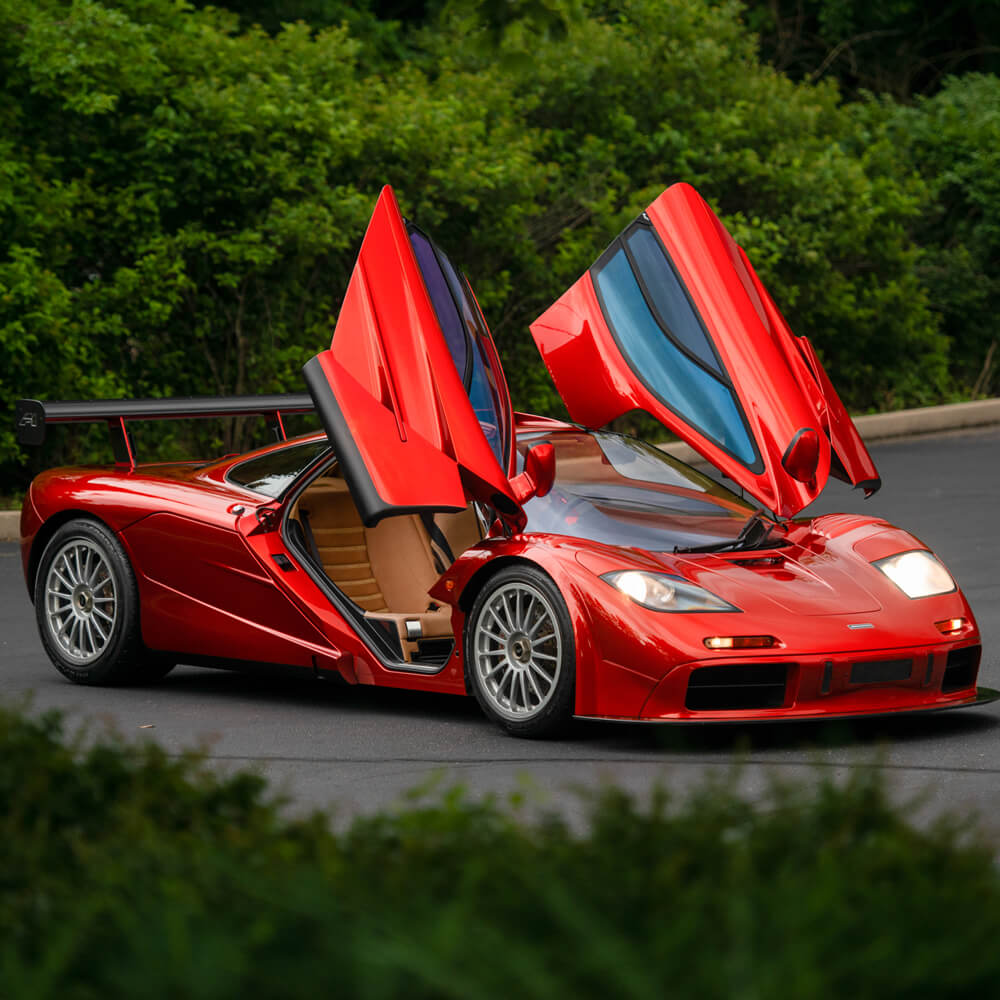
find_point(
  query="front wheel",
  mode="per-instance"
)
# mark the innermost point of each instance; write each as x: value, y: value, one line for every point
x: 87, y: 606
x: 520, y: 660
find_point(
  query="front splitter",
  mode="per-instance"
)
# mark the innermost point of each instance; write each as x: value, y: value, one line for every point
x: 984, y: 696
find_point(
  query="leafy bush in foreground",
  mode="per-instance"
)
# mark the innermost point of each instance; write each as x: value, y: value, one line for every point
x: 128, y: 873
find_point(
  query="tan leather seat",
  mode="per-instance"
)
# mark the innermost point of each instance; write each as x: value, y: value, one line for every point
x: 340, y: 540
x: 387, y: 570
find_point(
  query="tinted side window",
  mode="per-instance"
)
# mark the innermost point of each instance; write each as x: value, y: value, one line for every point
x: 668, y: 298
x: 442, y: 300
x: 676, y: 363
x: 273, y: 473
x: 464, y: 332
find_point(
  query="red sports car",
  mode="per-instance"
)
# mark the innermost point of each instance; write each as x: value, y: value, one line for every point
x: 434, y: 539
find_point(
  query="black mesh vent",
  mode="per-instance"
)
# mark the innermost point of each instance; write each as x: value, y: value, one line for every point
x: 881, y: 671
x: 961, y: 668
x: 742, y: 685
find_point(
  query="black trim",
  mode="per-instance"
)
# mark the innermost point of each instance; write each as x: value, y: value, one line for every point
x: 371, y: 506
x: 617, y: 245
x: 870, y: 486
x: 32, y: 415
x: 309, y: 537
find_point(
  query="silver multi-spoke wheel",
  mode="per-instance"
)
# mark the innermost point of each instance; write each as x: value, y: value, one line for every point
x: 81, y: 601
x: 517, y: 650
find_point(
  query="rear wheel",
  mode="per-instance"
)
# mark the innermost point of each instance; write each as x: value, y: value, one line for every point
x: 87, y: 607
x: 520, y: 661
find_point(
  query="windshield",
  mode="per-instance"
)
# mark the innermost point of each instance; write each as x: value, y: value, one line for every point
x: 614, y: 489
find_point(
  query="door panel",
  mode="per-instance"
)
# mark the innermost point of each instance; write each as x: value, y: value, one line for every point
x: 672, y: 319
x: 411, y: 431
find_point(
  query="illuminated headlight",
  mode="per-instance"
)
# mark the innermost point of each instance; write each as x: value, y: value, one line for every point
x: 917, y: 573
x: 660, y: 592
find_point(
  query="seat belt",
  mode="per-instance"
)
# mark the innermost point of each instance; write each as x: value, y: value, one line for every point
x: 438, y: 538
x: 310, y: 538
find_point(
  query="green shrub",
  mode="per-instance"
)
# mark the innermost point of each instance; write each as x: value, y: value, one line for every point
x: 953, y: 140
x: 182, y: 197
x: 126, y: 872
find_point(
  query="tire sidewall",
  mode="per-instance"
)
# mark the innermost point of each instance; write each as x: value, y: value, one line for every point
x: 555, y: 714
x: 110, y: 666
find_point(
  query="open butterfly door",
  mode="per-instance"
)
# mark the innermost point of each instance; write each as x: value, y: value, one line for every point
x: 672, y: 319
x: 411, y: 392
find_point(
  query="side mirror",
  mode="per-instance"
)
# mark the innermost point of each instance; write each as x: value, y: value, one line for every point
x: 801, y: 458
x: 539, y: 473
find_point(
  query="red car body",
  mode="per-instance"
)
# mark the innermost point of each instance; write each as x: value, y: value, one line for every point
x: 788, y: 618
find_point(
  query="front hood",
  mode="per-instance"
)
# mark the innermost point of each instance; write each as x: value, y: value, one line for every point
x: 796, y: 579
x: 673, y: 319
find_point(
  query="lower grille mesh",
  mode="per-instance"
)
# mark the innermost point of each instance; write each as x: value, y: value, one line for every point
x: 739, y: 686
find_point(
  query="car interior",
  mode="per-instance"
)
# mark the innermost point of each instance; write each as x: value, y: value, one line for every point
x: 385, y: 570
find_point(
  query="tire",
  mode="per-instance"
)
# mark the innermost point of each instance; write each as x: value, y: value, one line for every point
x: 520, y: 659
x: 87, y: 609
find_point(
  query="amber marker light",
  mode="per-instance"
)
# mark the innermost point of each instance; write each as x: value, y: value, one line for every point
x: 741, y: 642
x: 951, y: 626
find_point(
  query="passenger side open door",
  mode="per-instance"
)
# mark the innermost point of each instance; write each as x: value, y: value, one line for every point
x: 673, y: 319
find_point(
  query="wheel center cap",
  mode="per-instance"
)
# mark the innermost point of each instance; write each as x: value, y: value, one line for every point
x: 83, y: 599
x: 519, y: 649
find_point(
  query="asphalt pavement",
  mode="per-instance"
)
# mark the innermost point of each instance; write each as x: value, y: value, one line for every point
x: 359, y: 749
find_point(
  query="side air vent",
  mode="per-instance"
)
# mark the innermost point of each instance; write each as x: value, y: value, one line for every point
x: 743, y: 685
x: 961, y: 668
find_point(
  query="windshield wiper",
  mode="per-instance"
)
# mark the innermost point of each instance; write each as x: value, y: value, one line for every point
x: 753, y: 535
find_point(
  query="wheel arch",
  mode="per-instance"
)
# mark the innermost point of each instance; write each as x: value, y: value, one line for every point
x: 587, y: 654
x: 482, y: 576
x: 45, y: 533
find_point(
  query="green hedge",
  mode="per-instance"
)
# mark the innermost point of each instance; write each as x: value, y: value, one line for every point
x: 182, y: 196
x: 127, y: 873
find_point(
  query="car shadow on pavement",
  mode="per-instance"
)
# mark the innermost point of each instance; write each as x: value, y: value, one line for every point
x: 726, y: 739
x: 610, y: 738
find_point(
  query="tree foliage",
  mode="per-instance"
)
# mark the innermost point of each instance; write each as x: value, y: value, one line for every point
x: 902, y: 47
x: 182, y: 193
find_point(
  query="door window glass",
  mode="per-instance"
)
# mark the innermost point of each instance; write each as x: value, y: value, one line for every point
x: 466, y: 335
x: 668, y: 298
x: 696, y: 395
x: 274, y: 471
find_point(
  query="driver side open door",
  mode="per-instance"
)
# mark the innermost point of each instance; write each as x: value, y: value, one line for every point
x: 411, y: 392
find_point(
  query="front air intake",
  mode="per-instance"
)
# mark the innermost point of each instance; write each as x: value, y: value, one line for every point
x: 961, y: 669
x: 738, y: 686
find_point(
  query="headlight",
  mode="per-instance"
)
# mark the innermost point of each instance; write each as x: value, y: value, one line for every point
x: 917, y: 573
x: 660, y: 592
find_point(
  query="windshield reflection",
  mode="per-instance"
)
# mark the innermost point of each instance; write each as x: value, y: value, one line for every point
x: 614, y: 489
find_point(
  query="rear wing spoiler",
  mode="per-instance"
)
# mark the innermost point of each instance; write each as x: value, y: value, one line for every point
x: 31, y: 416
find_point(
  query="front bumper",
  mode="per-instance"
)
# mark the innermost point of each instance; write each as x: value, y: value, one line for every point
x: 878, y: 682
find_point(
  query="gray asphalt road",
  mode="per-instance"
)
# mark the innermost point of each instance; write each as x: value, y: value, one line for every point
x: 360, y: 749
